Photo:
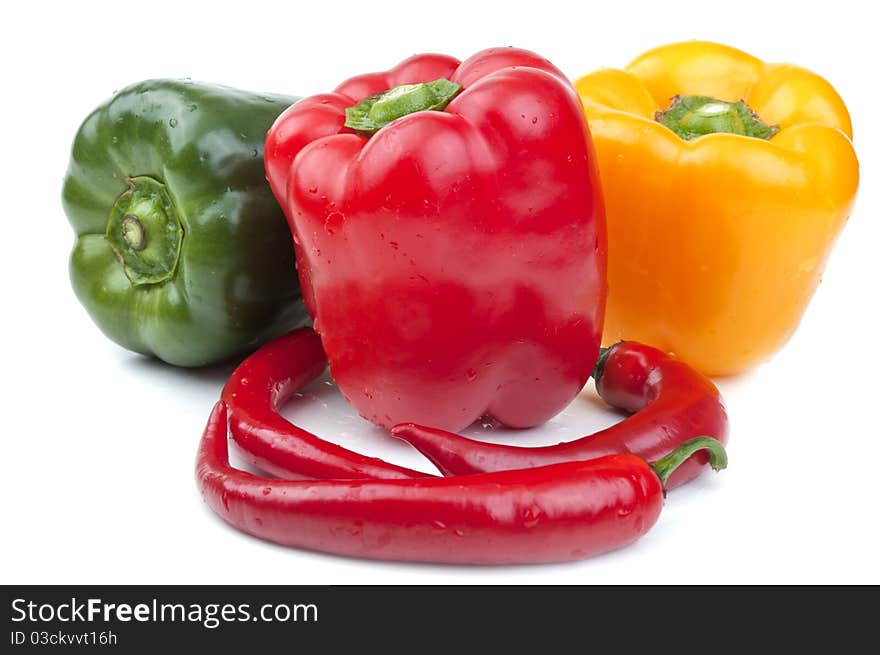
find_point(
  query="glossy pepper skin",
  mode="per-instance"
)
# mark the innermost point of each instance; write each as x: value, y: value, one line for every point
x: 252, y: 396
x: 718, y: 242
x: 670, y: 403
x: 546, y: 514
x: 181, y: 250
x: 454, y: 261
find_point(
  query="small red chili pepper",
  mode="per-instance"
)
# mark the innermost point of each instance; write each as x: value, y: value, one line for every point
x: 672, y: 403
x: 546, y: 514
x: 261, y: 384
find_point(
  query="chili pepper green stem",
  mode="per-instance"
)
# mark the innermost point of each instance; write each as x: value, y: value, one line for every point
x: 375, y: 112
x: 665, y: 466
x: 695, y: 116
x: 599, y: 366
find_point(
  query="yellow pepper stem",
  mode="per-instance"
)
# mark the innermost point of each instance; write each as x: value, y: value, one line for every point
x: 695, y: 116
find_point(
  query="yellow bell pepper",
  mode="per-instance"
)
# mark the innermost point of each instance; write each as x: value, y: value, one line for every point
x: 721, y: 214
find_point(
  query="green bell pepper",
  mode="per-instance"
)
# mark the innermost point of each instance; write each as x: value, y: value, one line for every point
x: 181, y: 250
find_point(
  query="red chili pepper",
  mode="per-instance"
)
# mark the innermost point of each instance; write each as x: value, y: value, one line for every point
x: 450, y: 237
x: 672, y: 403
x: 546, y: 514
x: 261, y: 384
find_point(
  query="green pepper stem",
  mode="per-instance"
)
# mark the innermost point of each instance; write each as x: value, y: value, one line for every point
x: 133, y: 233
x: 691, y: 117
x: 665, y: 466
x: 145, y: 232
x: 375, y: 112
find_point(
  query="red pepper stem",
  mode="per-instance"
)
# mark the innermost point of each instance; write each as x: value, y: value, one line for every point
x: 372, y: 114
x: 665, y: 466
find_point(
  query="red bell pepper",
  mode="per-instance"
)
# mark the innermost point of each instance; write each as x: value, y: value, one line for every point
x: 450, y: 237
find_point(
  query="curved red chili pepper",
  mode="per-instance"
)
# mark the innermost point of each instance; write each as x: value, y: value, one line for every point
x: 672, y: 403
x: 260, y: 385
x: 547, y: 514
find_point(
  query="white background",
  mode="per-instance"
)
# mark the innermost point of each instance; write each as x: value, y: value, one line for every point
x: 98, y: 444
